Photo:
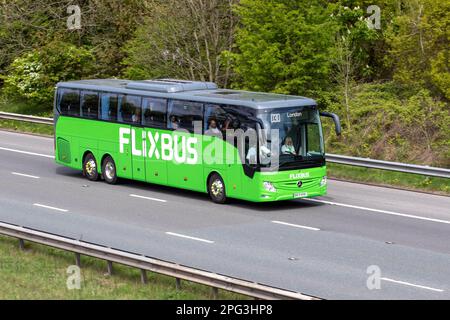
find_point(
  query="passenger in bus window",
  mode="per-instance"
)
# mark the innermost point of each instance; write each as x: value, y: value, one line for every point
x: 174, y: 123
x: 213, y: 130
x: 136, y: 118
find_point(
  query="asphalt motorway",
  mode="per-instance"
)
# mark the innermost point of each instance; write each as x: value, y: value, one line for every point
x: 358, y: 242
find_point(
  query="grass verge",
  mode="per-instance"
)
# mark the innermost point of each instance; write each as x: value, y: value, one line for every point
x: 40, y: 272
x: 24, y: 107
x: 389, y: 178
x: 20, y: 126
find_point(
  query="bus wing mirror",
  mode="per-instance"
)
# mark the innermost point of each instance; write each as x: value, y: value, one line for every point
x: 337, y: 122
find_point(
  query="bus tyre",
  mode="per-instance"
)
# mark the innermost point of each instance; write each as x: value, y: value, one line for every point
x: 90, y: 169
x: 216, y: 189
x: 109, y: 170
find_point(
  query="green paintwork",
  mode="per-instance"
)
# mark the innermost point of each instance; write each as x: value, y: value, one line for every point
x: 75, y: 137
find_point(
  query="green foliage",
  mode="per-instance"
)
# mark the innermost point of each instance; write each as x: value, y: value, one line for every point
x: 284, y: 46
x: 419, y: 40
x: 395, y: 123
x: 33, y: 75
x: 180, y: 39
x: 391, y: 86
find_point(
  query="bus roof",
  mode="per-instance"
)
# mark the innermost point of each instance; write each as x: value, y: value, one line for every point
x: 206, y: 92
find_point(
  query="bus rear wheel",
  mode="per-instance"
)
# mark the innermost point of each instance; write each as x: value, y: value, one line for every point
x: 90, y: 169
x: 216, y: 189
x: 109, y: 170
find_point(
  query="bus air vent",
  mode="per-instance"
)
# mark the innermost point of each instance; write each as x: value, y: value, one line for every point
x: 170, y: 85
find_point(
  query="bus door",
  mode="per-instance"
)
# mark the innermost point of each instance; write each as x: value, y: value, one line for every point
x: 138, y: 152
x: 154, y: 114
x: 131, y: 161
x: 185, y: 169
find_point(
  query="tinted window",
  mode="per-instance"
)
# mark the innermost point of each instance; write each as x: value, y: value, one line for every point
x: 154, y: 111
x: 182, y: 115
x: 109, y: 106
x: 216, y: 118
x: 69, y: 102
x: 130, y: 110
x: 89, y: 104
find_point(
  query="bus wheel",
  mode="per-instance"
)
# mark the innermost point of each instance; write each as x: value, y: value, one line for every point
x: 216, y: 189
x: 90, y: 169
x: 109, y: 170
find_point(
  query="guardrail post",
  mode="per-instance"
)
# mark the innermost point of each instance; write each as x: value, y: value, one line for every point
x: 78, y: 259
x: 144, y: 278
x: 178, y: 283
x: 21, y: 244
x: 215, y: 293
x: 110, y: 268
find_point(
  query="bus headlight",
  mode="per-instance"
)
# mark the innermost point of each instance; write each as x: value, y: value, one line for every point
x: 323, y: 182
x: 269, y: 186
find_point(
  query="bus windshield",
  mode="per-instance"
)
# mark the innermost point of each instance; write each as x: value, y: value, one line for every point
x: 293, y: 136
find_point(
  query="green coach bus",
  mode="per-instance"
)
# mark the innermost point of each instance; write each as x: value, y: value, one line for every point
x: 187, y: 134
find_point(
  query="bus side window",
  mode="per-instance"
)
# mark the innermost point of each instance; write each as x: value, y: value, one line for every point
x: 183, y: 115
x: 89, y: 104
x: 108, y: 107
x: 69, y: 102
x: 154, y: 112
x: 215, y: 114
x: 130, y: 110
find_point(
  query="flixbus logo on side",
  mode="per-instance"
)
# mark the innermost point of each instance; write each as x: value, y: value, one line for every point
x: 172, y: 147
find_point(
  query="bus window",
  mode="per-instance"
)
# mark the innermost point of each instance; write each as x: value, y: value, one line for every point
x: 154, y: 112
x: 215, y: 118
x: 130, y: 110
x: 69, y: 104
x: 89, y: 104
x: 108, y: 107
x: 183, y: 114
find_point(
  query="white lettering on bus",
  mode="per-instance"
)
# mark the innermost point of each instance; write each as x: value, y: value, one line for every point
x: 134, y: 150
x: 295, y: 176
x: 173, y: 147
x: 122, y: 140
x: 153, y: 142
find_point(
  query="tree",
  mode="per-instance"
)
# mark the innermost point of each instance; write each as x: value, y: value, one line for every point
x: 284, y: 46
x: 419, y: 45
x: 183, y: 39
x: 34, y: 74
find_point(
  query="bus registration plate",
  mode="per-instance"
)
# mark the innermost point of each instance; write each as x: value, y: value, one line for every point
x: 301, y: 195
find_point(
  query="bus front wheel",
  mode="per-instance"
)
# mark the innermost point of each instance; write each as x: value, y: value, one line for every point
x: 90, y: 169
x: 216, y: 189
x: 109, y: 170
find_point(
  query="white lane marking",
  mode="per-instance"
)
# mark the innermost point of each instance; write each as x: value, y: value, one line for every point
x: 295, y: 225
x: 147, y: 198
x: 50, y: 208
x: 379, y: 211
x: 412, y: 285
x: 27, y: 152
x: 24, y: 175
x: 188, y: 237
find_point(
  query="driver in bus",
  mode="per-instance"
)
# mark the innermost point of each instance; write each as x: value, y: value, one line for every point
x: 288, y: 146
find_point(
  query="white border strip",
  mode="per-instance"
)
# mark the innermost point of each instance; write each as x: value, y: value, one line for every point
x: 379, y: 211
x: 295, y: 225
x: 412, y: 285
x: 147, y: 198
x: 24, y: 175
x: 50, y: 208
x: 188, y: 237
x: 28, y: 153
